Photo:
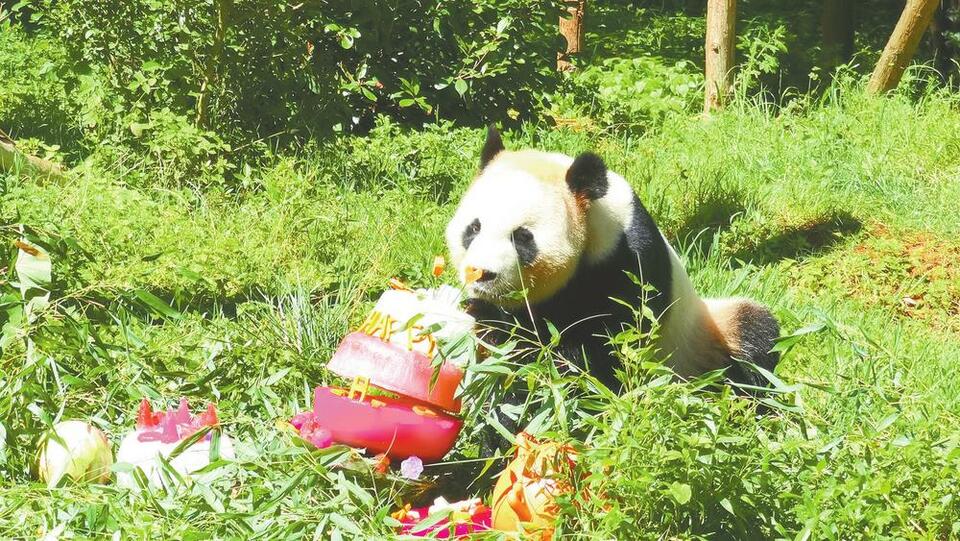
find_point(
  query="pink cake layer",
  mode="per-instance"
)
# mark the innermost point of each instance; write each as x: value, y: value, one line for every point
x: 393, y: 368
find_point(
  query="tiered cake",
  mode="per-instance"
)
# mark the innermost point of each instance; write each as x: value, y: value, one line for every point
x: 413, y: 346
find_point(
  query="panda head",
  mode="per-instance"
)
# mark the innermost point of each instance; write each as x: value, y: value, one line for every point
x: 522, y: 225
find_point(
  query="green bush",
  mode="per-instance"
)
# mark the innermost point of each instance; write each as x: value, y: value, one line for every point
x: 249, y: 67
x: 428, y: 163
x: 36, y: 88
x: 631, y: 91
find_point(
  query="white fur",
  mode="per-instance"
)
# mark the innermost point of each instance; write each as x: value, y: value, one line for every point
x: 503, y: 199
x: 608, y: 217
x: 682, y: 331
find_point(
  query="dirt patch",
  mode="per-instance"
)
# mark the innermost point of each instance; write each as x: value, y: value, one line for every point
x: 916, y: 273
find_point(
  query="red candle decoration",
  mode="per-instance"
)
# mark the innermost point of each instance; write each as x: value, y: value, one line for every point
x: 173, y: 425
x: 159, y: 433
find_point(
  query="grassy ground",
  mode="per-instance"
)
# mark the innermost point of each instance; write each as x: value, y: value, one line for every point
x: 840, y: 214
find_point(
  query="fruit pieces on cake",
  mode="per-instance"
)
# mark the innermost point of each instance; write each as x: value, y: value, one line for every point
x: 463, y: 518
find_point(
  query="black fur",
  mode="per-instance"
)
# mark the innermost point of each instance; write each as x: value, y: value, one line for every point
x: 583, y: 309
x: 758, y: 331
x: 486, y: 276
x: 492, y: 146
x: 641, y: 252
x: 470, y: 233
x: 587, y: 176
x: 525, y: 245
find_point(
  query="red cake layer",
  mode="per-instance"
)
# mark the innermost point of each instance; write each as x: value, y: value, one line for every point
x: 397, y: 427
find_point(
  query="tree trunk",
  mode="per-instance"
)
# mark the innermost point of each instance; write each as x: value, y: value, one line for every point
x: 721, y: 22
x: 902, y: 45
x: 837, y: 28
x: 571, y: 28
x: 11, y: 159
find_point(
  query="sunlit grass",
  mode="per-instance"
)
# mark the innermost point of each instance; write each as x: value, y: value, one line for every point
x: 266, y: 278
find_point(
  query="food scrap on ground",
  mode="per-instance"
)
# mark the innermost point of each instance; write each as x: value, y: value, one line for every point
x: 439, y: 263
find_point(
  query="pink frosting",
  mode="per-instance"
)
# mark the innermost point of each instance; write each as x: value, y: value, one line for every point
x: 397, y: 427
x: 478, y: 522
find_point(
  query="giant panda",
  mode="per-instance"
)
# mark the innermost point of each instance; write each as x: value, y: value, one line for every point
x: 568, y: 233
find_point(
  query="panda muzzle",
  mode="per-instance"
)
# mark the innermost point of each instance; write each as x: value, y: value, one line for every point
x: 473, y: 274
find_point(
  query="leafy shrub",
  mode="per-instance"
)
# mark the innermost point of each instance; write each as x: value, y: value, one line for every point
x: 35, y: 88
x: 650, y: 29
x: 430, y: 163
x: 631, y: 91
x: 249, y: 67
x: 763, y: 49
x: 178, y: 153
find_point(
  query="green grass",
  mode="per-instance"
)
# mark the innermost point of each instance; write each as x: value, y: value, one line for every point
x: 831, y: 212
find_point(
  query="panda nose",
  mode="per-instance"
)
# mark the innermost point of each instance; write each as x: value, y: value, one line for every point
x: 474, y: 274
x: 486, y: 276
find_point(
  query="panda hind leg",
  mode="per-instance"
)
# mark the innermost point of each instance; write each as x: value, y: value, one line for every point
x: 750, y: 331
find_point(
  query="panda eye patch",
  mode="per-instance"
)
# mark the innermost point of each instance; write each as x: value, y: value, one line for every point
x: 525, y: 245
x: 471, y: 232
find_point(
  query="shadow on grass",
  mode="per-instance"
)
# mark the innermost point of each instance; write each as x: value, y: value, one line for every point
x: 810, y: 239
x: 714, y: 214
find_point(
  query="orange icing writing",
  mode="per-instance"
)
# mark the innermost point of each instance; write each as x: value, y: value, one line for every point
x: 381, y: 326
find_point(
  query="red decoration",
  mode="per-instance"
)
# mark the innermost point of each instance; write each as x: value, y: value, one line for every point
x: 465, y: 518
x: 172, y: 425
x: 381, y: 463
x: 145, y: 416
x: 209, y: 417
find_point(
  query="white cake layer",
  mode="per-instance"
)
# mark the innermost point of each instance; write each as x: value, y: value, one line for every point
x: 143, y: 454
x: 435, y: 309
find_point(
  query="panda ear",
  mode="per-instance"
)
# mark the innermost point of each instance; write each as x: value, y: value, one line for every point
x: 587, y: 176
x: 491, y: 147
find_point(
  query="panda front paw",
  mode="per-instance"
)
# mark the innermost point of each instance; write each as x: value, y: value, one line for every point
x: 482, y: 311
x: 490, y: 320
